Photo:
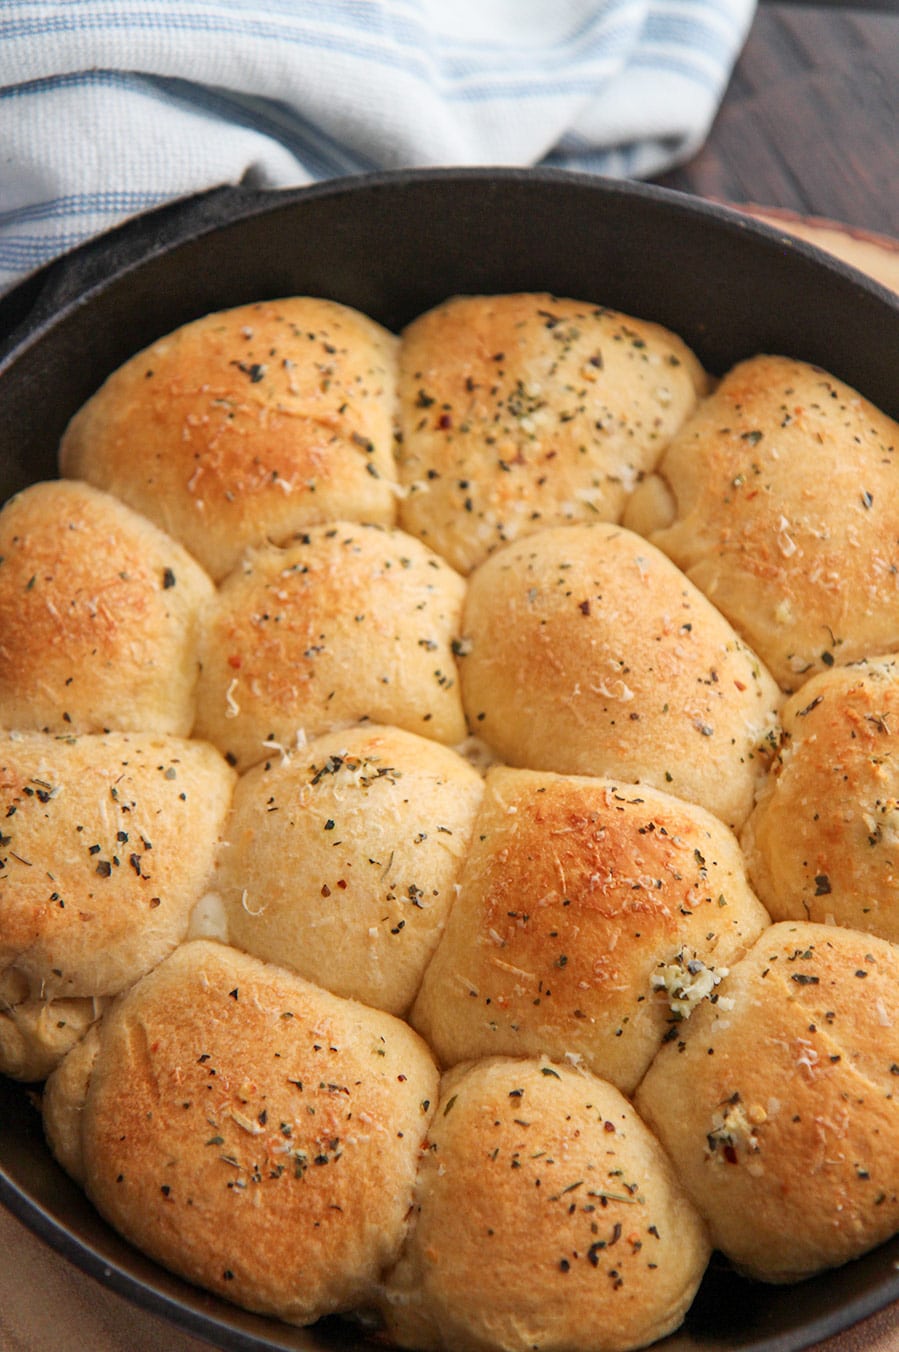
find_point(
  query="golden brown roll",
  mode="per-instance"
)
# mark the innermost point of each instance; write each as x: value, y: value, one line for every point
x: 98, y: 615
x: 246, y: 425
x: 585, y: 651
x: 523, y: 411
x: 822, y: 842
x: 777, y: 499
x: 591, y: 918
x: 778, y: 1104
x: 546, y: 1215
x: 347, y: 622
x: 96, y: 885
x: 342, y: 860
x: 248, y: 1130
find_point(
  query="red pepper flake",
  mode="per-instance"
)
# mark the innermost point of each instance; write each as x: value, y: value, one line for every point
x: 236, y: 661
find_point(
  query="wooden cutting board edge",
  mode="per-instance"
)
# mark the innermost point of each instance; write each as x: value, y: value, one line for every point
x: 874, y: 254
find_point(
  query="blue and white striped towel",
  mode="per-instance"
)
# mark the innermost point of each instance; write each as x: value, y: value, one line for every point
x: 110, y: 107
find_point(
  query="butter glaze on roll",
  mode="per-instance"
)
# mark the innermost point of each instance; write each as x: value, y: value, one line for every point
x: 98, y: 616
x: 822, y: 842
x: 249, y: 1131
x: 778, y: 499
x: 347, y: 622
x: 546, y: 1215
x: 586, y: 651
x: 246, y: 425
x: 591, y: 918
x: 96, y: 885
x: 779, y: 1107
x: 342, y: 859
x: 523, y: 411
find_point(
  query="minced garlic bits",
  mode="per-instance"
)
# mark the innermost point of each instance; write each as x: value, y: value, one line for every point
x: 778, y: 499
x: 591, y: 918
x: 246, y: 425
x: 586, y: 651
x: 518, y: 412
x: 778, y: 1104
x: 546, y: 1215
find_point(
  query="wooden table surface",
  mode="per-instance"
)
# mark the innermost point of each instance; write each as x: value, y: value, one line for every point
x: 810, y: 121
x: 809, y: 125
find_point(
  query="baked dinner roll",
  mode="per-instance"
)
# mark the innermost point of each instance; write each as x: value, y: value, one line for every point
x: 96, y: 882
x: 777, y: 499
x: 823, y: 840
x: 591, y: 917
x: 246, y: 425
x: 248, y: 1130
x: 778, y: 1104
x: 342, y: 860
x: 347, y: 622
x: 585, y: 651
x: 98, y: 613
x: 546, y: 1215
x: 523, y: 411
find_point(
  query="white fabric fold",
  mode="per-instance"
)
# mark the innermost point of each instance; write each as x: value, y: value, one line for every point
x: 110, y: 107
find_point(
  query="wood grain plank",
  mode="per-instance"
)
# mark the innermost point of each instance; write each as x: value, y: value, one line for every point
x: 810, y: 120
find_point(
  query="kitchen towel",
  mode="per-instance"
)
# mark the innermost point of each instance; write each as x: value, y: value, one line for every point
x: 111, y: 107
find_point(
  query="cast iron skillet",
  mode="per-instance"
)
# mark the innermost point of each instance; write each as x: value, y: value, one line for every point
x: 392, y: 245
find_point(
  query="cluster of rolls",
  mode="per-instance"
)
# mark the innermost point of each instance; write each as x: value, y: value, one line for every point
x: 449, y: 860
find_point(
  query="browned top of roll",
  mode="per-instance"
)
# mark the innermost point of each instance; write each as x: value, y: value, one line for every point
x: 546, y: 1216
x: 250, y: 1131
x: 525, y: 410
x: 586, y: 651
x: 347, y: 622
x: 591, y: 918
x: 823, y: 840
x: 246, y: 425
x: 98, y: 616
x: 95, y: 883
x: 781, y: 506
x: 778, y: 1104
x: 342, y: 859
